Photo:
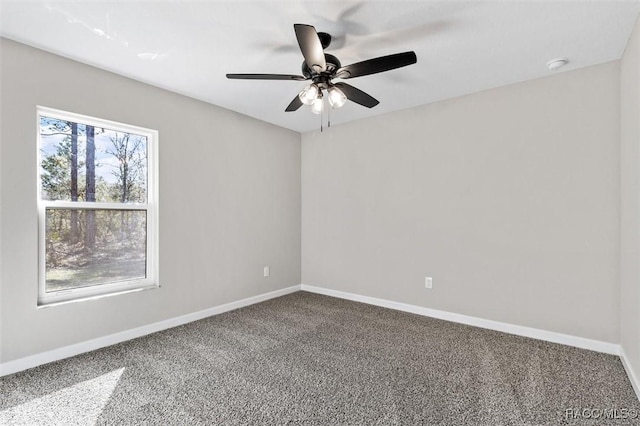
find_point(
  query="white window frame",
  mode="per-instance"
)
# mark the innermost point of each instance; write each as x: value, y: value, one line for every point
x: 151, y: 208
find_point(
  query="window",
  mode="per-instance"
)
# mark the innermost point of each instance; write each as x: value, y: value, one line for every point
x: 97, y: 207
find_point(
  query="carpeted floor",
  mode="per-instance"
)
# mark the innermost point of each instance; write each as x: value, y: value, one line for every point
x: 315, y: 360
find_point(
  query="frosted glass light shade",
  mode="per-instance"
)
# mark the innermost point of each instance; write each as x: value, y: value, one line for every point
x: 309, y: 94
x: 336, y: 97
x: 317, y: 106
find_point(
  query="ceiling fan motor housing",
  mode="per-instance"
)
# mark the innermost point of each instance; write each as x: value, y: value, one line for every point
x: 332, y: 65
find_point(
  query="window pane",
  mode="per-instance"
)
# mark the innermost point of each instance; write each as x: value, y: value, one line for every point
x: 88, y: 163
x: 92, y: 247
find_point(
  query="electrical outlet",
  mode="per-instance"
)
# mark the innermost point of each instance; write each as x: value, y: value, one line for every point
x: 266, y: 271
x: 428, y: 282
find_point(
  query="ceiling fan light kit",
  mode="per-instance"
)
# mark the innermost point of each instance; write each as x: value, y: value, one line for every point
x: 321, y: 68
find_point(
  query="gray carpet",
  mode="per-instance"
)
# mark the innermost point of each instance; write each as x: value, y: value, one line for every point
x: 315, y: 360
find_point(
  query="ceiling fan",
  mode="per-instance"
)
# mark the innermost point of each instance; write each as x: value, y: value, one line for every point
x: 321, y: 68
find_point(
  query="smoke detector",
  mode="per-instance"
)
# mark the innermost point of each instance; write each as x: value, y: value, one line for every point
x: 557, y: 63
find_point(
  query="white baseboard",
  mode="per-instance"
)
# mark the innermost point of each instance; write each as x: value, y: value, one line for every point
x: 93, y: 344
x: 90, y: 345
x: 633, y: 377
x: 549, y: 336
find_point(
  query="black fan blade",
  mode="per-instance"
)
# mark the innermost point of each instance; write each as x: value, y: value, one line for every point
x: 357, y: 95
x: 311, y: 47
x: 376, y: 65
x: 266, y: 77
x: 294, y: 105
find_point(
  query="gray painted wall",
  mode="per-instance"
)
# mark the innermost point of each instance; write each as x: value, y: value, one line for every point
x: 229, y: 202
x: 630, y: 201
x: 508, y: 198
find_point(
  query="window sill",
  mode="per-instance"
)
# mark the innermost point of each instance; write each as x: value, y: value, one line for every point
x: 42, y: 305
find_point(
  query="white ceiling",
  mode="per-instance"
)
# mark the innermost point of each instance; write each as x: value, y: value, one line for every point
x: 189, y: 46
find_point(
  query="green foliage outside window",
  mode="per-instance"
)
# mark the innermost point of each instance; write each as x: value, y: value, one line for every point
x: 83, y: 163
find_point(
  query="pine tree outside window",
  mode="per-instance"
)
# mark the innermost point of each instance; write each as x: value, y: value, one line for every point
x: 97, y: 205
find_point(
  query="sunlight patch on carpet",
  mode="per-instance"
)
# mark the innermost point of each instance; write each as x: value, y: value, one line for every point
x: 80, y: 404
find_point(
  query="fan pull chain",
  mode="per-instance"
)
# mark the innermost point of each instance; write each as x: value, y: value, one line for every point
x: 321, y: 114
x: 329, y: 117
